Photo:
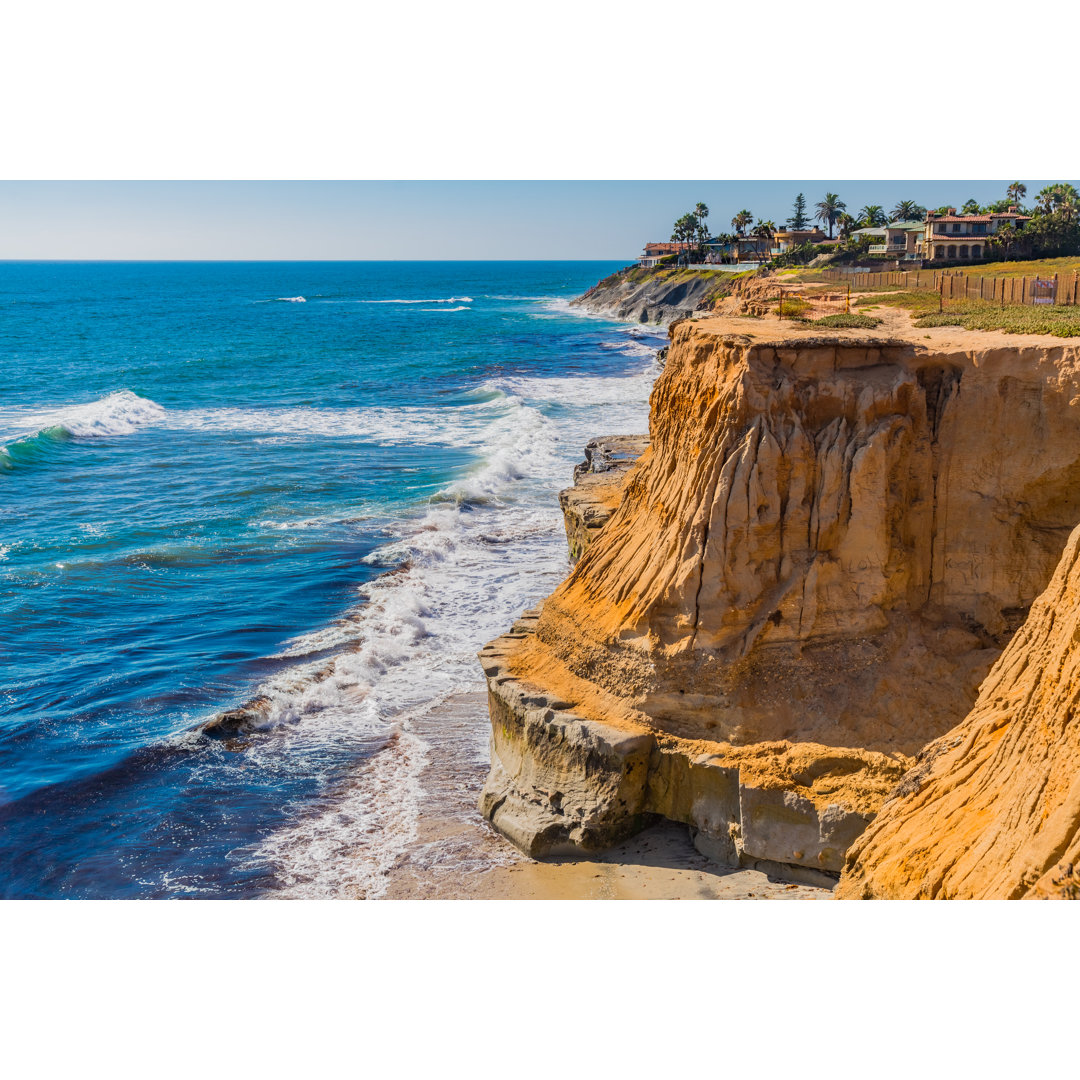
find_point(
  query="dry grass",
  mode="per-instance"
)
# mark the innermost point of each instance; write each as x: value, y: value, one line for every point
x: 1055, y: 321
x: 1044, y: 268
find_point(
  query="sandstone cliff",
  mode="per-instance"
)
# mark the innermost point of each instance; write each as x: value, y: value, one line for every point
x: 598, y: 482
x: 812, y: 568
x: 992, y: 809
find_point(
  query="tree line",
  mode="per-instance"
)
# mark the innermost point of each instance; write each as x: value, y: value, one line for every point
x: 1054, y: 228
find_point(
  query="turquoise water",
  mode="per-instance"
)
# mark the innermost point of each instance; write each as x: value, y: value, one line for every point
x: 204, y: 482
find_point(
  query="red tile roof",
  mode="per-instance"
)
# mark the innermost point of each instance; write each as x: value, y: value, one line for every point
x: 977, y: 217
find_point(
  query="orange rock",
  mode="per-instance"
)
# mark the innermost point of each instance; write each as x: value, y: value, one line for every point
x: 813, y: 566
x: 992, y: 808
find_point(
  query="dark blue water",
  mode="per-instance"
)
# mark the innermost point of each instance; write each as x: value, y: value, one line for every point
x: 203, y: 484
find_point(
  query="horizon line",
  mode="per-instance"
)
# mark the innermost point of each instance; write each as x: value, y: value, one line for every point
x: 168, y: 260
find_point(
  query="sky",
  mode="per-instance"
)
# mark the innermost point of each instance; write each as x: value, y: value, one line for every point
x: 369, y: 219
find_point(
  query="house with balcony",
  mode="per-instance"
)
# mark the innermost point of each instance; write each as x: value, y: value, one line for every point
x: 654, y: 253
x: 789, y: 239
x: 956, y: 237
x: 902, y: 240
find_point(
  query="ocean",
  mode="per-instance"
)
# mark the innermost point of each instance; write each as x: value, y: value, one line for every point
x: 319, y: 486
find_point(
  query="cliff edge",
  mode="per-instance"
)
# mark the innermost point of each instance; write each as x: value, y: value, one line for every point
x: 660, y: 294
x: 812, y: 567
x: 992, y: 808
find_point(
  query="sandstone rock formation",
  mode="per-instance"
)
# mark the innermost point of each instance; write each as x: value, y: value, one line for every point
x: 992, y: 809
x: 812, y: 568
x: 597, y: 490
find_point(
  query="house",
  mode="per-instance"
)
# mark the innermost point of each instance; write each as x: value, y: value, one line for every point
x: 753, y: 249
x: 901, y: 239
x: 655, y: 252
x: 787, y: 239
x: 962, y: 237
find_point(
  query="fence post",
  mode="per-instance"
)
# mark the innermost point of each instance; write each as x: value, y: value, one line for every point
x: 847, y: 303
x: 1023, y: 290
x: 941, y: 295
x: 1055, y: 290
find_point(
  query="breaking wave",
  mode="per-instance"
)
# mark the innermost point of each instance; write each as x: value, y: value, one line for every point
x: 489, y: 545
x: 33, y: 437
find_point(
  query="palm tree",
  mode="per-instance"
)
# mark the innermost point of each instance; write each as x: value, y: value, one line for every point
x: 742, y: 221
x: 684, y: 232
x: 1015, y: 192
x: 1059, y: 198
x: 764, y: 229
x: 829, y: 209
x: 701, y: 212
x: 971, y: 207
x: 907, y: 210
x: 847, y: 224
x: 872, y: 216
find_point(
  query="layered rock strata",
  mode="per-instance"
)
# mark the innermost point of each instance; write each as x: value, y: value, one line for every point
x: 598, y: 481
x: 992, y: 809
x: 658, y: 297
x: 811, y: 569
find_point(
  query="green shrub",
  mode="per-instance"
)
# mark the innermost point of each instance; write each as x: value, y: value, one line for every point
x: 1055, y: 321
x: 792, y: 307
x: 852, y: 321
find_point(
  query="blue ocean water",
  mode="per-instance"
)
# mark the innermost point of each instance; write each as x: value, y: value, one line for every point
x: 317, y: 485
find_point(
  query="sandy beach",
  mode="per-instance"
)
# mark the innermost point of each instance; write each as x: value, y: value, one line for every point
x: 457, y: 855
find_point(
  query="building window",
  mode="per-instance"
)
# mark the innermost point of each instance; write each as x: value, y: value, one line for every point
x: 976, y: 251
x: 963, y: 251
x: 952, y: 251
x: 979, y: 229
x: 939, y: 252
x: 956, y: 227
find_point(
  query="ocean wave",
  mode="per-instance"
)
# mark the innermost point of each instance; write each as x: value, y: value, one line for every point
x: 464, y: 307
x: 35, y: 435
x: 459, y: 570
x: 442, y: 300
x: 464, y: 424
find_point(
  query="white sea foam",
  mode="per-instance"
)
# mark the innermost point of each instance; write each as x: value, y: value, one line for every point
x: 464, y: 307
x: 464, y: 425
x: 442, y: 300
x: 120, y: 413
x: 490, y: 545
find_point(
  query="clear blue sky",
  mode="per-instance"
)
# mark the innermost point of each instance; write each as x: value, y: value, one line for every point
x: 591, y: 219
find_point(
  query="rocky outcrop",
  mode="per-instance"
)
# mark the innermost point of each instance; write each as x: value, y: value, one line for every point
x: 992, y: 809
x: 811, y: 569
x: 597, y: 490
x: 659, y: 295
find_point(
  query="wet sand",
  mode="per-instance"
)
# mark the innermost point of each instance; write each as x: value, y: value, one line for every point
x: 457, y: 855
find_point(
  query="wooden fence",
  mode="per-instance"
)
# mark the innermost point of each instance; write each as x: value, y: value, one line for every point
x: 959, y: 286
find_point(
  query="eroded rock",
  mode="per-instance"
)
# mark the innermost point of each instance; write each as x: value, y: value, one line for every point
x: 598, y: 481
x: 991, y: 809
x: 813, y: 567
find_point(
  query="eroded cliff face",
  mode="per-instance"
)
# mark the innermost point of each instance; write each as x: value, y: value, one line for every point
x: 655, y: 296
x: 597, y: 491
x: 992, y: 809
x: 812, y: 568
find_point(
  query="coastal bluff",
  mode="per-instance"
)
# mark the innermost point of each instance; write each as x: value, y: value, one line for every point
x: 810, y: 570
x: 598, y: 481
x: 991, y: 809
x: 655, y: 296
